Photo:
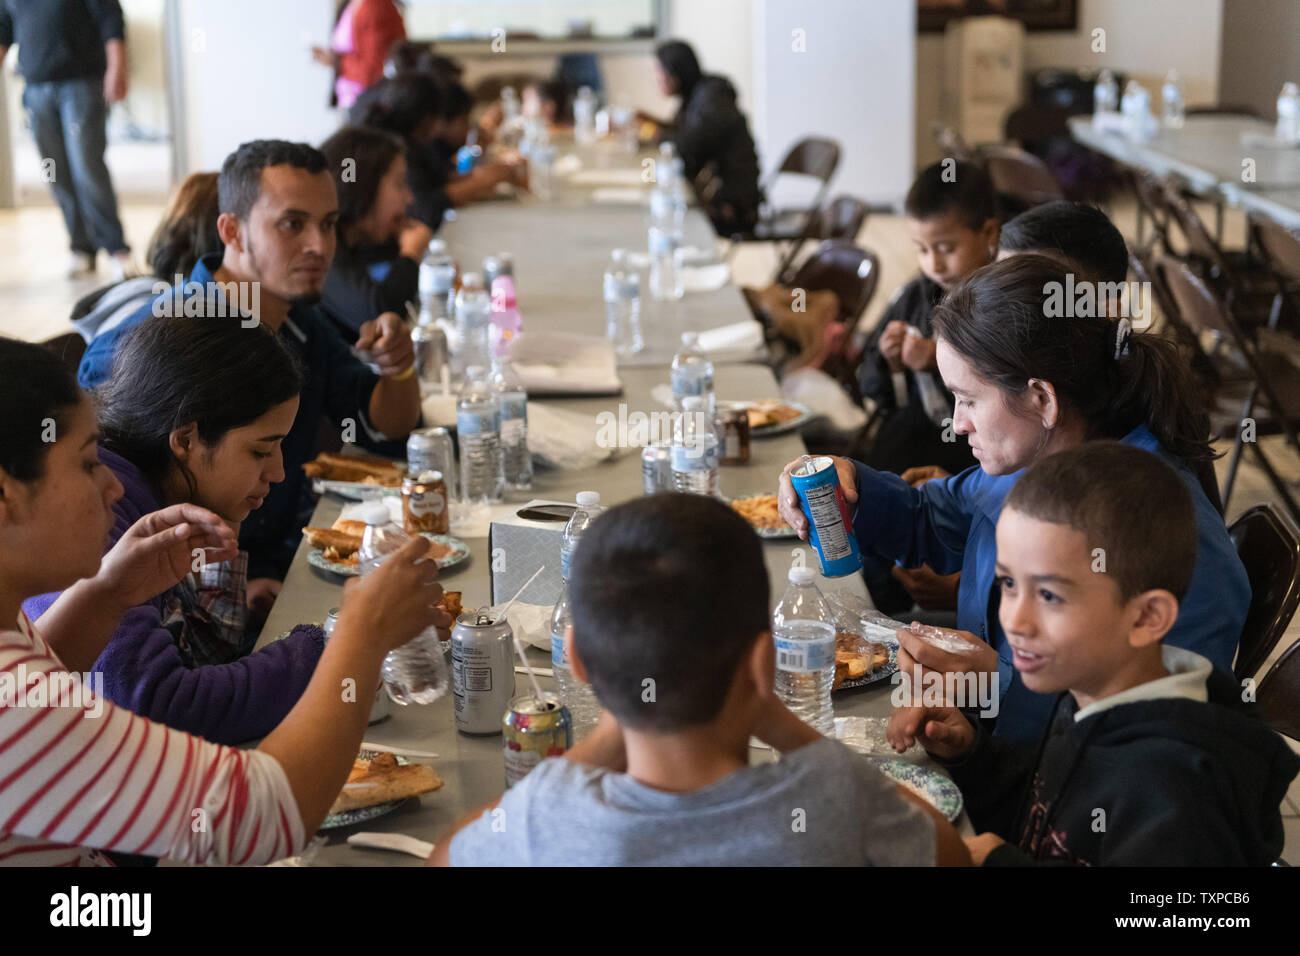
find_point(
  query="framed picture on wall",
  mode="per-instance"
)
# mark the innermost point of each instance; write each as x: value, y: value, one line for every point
x: 933, y: 15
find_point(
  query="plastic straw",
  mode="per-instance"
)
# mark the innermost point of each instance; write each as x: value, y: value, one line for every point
x: 519, y: 647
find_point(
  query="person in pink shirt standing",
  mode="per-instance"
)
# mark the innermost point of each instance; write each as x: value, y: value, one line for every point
x: 364, y: 32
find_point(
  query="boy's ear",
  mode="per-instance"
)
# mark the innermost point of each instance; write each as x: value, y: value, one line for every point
x: 571, y: 653
x: 761, y: 666
x: 1157, y: 611
x: 990, y: 233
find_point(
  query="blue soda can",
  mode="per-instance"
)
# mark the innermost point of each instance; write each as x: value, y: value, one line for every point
x: 830, y: 528
x: 467, y: 158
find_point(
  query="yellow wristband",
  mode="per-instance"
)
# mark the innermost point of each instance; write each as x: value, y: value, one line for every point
x: 402, y: 376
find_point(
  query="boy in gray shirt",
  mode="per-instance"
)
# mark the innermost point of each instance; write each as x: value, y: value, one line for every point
x: 670, y: 608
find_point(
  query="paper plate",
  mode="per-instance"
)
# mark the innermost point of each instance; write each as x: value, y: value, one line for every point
x: 459, y: 552
x: 930, y: 785
x: 766, y: 431
x: 360, y: 815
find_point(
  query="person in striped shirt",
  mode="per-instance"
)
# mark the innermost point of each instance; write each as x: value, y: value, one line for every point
x: 79, y: 775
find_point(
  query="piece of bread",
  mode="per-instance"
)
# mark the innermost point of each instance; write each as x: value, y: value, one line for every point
x: 391, y: 781
x: 341, y: 542
x: 856, y: 657
x: 366, y: 469
x: 451, y: 603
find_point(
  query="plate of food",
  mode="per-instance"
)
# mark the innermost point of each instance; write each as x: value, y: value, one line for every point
x: 760, y: 511
x: 861, y: 663
x: 775, y: 417
x: 930, y: 785
x: 355, y: 477
x: 334, y: 549
x: 379, y: 783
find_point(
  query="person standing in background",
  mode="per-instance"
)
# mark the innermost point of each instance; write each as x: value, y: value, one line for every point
x: 364, y: 33
x: 72, y: 54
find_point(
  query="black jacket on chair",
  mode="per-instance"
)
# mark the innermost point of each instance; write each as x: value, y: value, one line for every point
x: 712, y: 137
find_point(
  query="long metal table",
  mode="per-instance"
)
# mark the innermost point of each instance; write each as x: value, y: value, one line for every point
x: 472, y: 767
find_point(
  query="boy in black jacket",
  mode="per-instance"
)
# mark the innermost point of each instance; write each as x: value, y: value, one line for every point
x: 1151, y: 758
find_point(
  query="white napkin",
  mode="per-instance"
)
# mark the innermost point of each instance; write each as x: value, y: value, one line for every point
x: 620, y: 196
x: 705, y: 278
x: 567, y: 165
x: 568, y: 440
x: 623, y: 176
x: 530, y: 622
x: 563, y: 362
x: 439, y: 409
x: 739, y: 336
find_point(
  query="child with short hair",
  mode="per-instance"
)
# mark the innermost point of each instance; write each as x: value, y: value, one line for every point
x: 1151, y: 757
x: 671, y: 628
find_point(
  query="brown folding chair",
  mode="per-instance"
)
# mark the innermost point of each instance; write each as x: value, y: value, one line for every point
x: 1278, y: 693
x: 1021, y: 179
x: 812, y: 156
x: 842, y: 218
x: 1279, y: 249
x: 1270, y: 377
x: 1269, y: 547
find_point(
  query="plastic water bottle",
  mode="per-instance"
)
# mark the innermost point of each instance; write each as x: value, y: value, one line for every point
x: 512, y: 406
x: 623, y: 306
x: 588, y: 508
x: 416, y: 672
x: 1288, y: 115
x: 692, y: 374
x: 478, y: 422
x: 695, y: 449
x: 578, y: 696
x: 1174, y: 112
x: 1105, y: 95
x: 506, y: 321
x: 803, y: 629
x: 437, y: 279
x: 665, y: 264
x: 584, y: 116
x: 1136, y: 107
x: 473, y: 316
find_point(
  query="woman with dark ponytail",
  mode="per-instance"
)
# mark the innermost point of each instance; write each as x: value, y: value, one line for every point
x: 1031, y: 378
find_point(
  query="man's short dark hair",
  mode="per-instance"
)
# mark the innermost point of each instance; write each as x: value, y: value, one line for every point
x: 670, y: 588
x: 1076, y: 234
x: 951, y: 187
x: 240, y: 182
x: 456, y: 101
x: 1126, y: 501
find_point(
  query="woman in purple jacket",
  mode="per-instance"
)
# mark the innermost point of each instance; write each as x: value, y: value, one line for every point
x: 195, y: 412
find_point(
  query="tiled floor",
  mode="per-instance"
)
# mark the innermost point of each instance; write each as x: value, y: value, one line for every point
x: 35, y: 299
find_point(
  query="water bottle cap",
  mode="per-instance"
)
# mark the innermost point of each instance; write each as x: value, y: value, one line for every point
x: 374, y: 513
x: 802, y: 575
x: 471, y: 280
x: 690, y: 338
x: 588, y: 499
x: 437, y: 246
x: 619, y: 255
x: 1290, y: 89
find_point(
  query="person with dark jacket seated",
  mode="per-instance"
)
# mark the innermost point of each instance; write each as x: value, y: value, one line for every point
x: 1150, y: 757
x: 712, y: 137
x: 377, y: 266
x: 278, y: 213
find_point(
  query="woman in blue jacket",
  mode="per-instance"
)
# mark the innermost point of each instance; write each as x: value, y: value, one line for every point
x: 1029, y: 381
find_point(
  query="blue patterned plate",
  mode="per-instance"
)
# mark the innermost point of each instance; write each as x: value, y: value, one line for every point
x: 360, y: 815
x: 459, y: 552
x: 785, y: 531
x: 930, y: 785
x: 766, y: 431
x: 883, y: 674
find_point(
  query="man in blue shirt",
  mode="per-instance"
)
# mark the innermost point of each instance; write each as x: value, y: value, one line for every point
x: 278, y: 214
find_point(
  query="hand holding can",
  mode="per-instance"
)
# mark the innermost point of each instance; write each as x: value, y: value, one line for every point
x: 787, y: 499
x: 816, y: 481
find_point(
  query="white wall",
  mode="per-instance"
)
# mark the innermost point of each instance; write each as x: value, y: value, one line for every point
x: 1144, y: 38
x: 853, y: 83
x: 248, y: 74
x: 1260, y: 52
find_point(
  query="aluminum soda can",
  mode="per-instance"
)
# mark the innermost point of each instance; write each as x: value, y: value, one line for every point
x: 830, y: 529
x: 534, y: 730
x: 657, y: 468
x: 482, y: 672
